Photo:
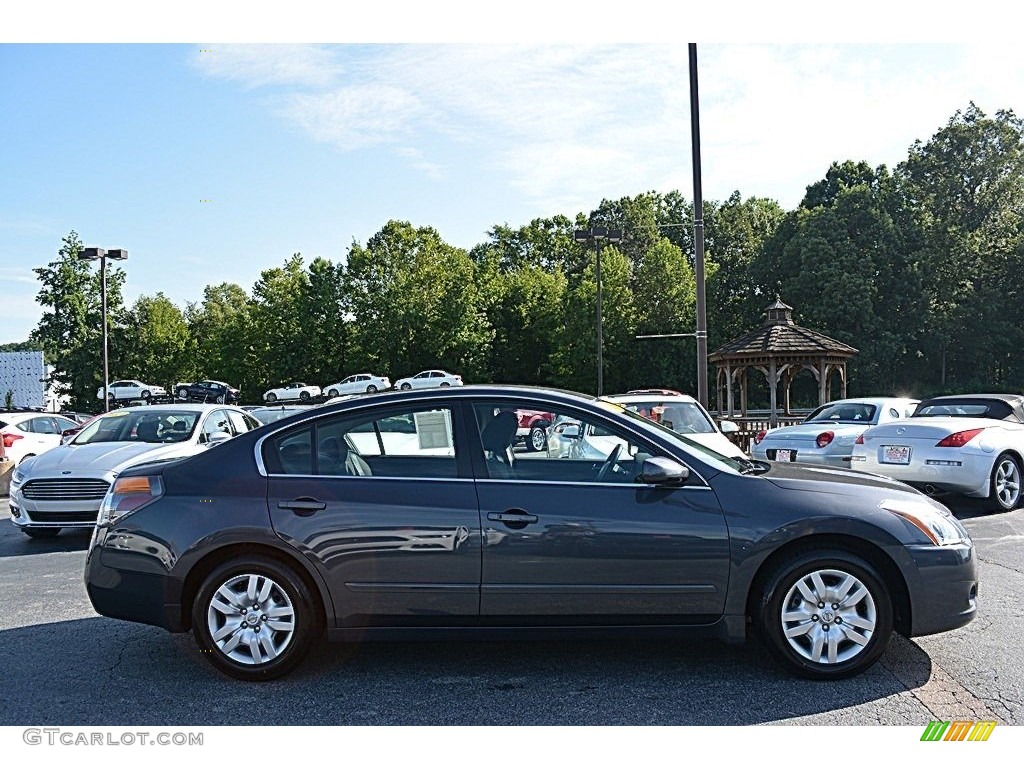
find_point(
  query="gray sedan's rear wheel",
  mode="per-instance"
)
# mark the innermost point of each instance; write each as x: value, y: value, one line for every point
x: 255, y: 618
x: 825, y: 615
x: 1006, y: 483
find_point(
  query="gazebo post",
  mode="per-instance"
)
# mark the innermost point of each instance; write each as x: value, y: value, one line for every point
x: 728, y: 387
x: 743, y: 393
x: 773, y: 415
x: 822, y: 382
x: 842, y: 378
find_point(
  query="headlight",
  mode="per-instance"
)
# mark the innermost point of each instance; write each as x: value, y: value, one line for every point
x: 940, y: 529
x: 17, y: 478
x: 127, y: 495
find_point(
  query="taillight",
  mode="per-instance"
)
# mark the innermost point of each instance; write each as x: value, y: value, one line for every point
x: 9, y: 438
x: 760, y: 436
x: 859, y: 440
x: 959, y: 439
x: 824, y: 439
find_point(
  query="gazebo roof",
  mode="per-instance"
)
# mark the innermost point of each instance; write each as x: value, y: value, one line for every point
x: 780, y: 337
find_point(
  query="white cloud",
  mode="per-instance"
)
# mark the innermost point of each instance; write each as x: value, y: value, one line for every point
x: 17, y: 275
x: 571, y: 124
x: 261, y: 65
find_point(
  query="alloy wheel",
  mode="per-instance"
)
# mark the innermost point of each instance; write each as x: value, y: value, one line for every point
x: 1006, y: 483
x: 828, y: 616
x: 251, y: 619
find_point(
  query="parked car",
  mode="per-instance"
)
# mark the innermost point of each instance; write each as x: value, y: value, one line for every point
x: 963, y: 444
x: 826, y: 436
x: 208, y: 391
x: 683, y: 414
x: 131, y: 389
x: 294, y: 391
x: 400, y: 515
x: 271, y: 413
x: 426, y: 379
x: 359, y: 382
x: 24, y: 434
x: 533, y: 428
x: 63, y: 487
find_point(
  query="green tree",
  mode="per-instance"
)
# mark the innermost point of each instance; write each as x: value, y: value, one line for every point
x: 225, y: 339
x: 279, y: 335
x: 70, y: 329
x: 161, y: 348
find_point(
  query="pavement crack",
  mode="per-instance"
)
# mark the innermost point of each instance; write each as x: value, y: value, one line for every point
x: 1001, y: 565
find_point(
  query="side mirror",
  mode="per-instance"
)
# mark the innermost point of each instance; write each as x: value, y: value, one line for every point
x: 218, y: 437
x: 728, y: 427
x: 660, y: 471
x: 568, y: 431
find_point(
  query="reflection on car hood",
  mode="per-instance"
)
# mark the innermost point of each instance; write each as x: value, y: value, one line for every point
x: 809, y: 477
x: 98, y: 458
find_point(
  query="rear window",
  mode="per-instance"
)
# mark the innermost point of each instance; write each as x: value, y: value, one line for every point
x: 863, y: 413
x: 982, y: 409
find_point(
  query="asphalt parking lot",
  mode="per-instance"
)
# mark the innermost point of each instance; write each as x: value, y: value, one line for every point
x: 64, y: 664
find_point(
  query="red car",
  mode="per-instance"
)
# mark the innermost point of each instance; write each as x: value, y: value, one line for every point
x: 533, y: 428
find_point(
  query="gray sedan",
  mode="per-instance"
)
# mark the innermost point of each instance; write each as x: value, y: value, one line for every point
x: 828, y: 434
x: 408, y: 515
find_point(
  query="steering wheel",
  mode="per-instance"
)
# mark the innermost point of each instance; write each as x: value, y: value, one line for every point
x: 606, y: 467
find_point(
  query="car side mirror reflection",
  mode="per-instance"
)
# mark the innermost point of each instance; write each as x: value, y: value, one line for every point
x: 728, y: 427
x: 218, y: 437
x: 569, y: 431
x: 661, y: 471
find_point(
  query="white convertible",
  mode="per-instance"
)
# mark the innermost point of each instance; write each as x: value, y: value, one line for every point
x: 965, y: 444
x: 356, y: 383
x: 294, y: 391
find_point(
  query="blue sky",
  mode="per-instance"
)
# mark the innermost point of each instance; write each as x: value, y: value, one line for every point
x: 307, y: 148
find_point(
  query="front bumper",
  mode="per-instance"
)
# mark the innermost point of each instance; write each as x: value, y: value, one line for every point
x: 53, y: 514
x: 944, y: 588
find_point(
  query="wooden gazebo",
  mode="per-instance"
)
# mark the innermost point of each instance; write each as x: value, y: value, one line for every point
x: 780, y: 349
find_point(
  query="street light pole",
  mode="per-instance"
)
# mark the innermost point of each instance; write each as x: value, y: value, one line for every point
x: 698, y: 236
x: 599, y: 235
x: 93, y: 254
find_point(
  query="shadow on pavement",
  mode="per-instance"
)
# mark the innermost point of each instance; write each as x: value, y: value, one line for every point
x: 17, y: 543
x: 97, y: 671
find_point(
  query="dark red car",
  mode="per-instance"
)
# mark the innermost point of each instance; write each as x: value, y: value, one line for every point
x: 533, y: 428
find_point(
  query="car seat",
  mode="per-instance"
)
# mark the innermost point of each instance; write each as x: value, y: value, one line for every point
x: 498, y: 437
x: 148, y: 430
x: 335, y: 458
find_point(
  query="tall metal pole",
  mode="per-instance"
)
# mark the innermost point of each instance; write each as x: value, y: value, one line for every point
x: 106, y: 365
x: 600, y: 330
x: 698, y: 236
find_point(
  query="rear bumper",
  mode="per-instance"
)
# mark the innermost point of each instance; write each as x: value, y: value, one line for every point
x: 146, y: 598
x: 971, y: 478
x: 944, y: 592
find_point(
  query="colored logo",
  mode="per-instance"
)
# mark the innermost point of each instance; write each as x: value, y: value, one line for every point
x: 958, y: 730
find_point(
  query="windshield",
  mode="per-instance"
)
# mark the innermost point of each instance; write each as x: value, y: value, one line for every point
x: 709, y: 456
x: 684, y: 418
x: 141, y: 426
x: 859, y: 413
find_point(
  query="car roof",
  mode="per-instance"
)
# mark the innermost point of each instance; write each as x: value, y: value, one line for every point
x: 197, y: 407
x: 1010, y: 399
x: 871, y: 400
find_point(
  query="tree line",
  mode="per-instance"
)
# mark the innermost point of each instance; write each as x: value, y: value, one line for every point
x: 919, y: 267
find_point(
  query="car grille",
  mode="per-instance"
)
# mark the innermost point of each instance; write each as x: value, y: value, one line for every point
x: 65, y: 489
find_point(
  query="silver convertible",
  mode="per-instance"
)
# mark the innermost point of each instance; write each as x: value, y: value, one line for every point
x: 827, y: 435
x: 964, y: 444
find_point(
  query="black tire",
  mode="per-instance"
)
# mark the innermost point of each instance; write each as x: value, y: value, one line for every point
x: 183, y: 394
x: 304, y: 396
x: 445, y: 384
x: 146, y: 394
x: 220, y: 398
x: 1005, y: 483
x: 332, y: 393
x: 271, y: 397
x: 371, y: 389
x: 307, y: 618
x: 41, y: 533
x: 406, y: 386
x: 768, y: 613
x: 537, y: 440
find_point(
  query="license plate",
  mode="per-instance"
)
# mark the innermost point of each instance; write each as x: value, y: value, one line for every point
x: 785, y: 455
x: 895, y: 454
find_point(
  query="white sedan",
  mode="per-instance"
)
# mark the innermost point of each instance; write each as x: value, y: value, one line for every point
x: 131, y: 389
x: 964, y: 444
x: 29, y: 433
x: 63, y: 488
x: 427, y: 379
x: 826, y: 436
x: 294, y: 391
x: 359, y: 382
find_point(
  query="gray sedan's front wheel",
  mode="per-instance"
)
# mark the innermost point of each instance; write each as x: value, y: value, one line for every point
x: 1006, y: 483
x: 825, y: 614
x: 255, y: 618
